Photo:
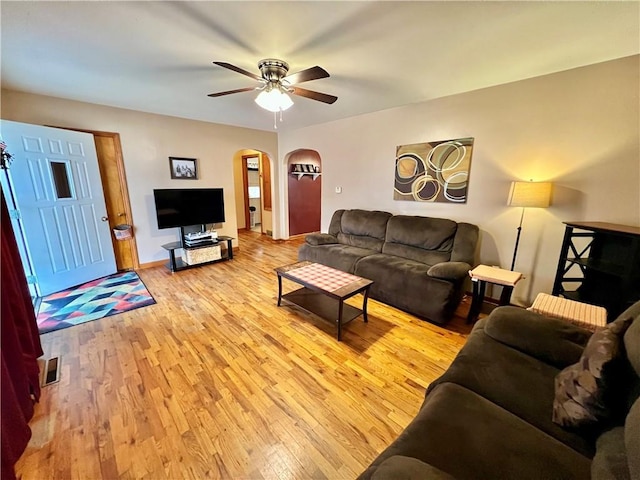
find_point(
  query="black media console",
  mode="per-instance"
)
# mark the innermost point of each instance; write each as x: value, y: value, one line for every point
x: 204, y: 253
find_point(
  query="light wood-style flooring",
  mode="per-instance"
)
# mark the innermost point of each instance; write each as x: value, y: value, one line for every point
x: 216, y: 381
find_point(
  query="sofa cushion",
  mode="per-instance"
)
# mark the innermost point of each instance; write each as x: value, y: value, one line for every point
x: 553, y: 341
x: 610, y: 460
x: 320, y: 239
x: 467, y: 436
x: 516, y: 381
x: 423, y: 239
x: 406, y: 285
x: 400, y: 467
x: 342, y: 257
x: 363, y: 228
x: 632, y: 350
x: 336, y: 221
x: 465, y: 243
x: 583, y: 396
x: 632, y: 336
x: 454, y: 271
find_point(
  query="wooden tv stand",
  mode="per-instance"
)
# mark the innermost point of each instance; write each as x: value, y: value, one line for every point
x: 176, y: 264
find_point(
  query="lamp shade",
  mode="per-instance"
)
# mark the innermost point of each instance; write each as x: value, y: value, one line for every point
x: 530, y: 194
x: 274, y: 100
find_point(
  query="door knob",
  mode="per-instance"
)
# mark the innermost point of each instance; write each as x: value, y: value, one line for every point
x: 105, y: 219
x: 121, y: 214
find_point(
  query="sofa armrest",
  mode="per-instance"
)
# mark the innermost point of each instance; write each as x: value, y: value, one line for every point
x: 555, y: 342
x: 320, y: 239
x: 449, y: 270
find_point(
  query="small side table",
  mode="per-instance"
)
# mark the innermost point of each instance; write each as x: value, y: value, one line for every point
x: 483, y: 274
x: 581, y: 314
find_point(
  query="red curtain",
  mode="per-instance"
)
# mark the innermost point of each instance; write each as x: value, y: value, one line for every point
x: 20, y: 348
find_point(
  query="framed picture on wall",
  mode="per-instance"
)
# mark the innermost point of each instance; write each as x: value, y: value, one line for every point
x: 183, y: 168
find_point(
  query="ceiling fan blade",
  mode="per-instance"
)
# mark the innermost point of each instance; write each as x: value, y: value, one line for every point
x: 238, y: 69
x: 321, y: 97
x: 229, y: 92
x: 313, y: 73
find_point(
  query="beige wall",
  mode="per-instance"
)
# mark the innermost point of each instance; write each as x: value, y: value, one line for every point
x: 579, y: 129
x: 147, y: 142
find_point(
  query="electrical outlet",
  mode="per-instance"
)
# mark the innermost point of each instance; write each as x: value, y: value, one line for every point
x: 338, y: 189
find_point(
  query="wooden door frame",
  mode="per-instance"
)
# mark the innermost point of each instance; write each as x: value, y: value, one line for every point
x: 245, y: 184
x: 124, y: 189
x: 245, y: 192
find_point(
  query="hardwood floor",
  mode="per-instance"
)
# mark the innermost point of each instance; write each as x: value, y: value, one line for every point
x: 216, y: 381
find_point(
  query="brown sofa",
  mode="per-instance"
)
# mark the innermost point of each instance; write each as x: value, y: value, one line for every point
x: 489, y: 416
x: 418, y: 264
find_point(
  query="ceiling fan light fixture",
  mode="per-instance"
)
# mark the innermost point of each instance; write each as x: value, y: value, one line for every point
x: 274, y: 100
x: 276, y: 84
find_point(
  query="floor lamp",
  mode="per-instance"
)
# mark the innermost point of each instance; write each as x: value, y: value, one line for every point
x: 525, y: 195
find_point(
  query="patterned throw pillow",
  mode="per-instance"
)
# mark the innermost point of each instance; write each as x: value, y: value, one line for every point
x: 581, y: 389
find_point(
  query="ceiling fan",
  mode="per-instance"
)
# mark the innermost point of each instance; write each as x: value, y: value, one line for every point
x: 275, y: 84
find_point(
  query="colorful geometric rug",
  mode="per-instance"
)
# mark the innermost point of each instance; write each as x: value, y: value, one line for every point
x: 99, y: 298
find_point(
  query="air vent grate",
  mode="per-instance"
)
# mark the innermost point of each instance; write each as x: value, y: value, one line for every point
x: 51, y: 371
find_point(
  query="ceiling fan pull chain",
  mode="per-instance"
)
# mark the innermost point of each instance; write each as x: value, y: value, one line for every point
x: 275, y: 121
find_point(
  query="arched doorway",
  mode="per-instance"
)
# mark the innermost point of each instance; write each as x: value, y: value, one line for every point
x: 304, y: 178
x: 253, y: 191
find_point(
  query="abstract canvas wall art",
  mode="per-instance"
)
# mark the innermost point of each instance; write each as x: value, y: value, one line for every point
x: 433, y: 171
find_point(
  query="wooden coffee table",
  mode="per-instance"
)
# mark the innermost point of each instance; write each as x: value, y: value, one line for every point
x: 324, y: 290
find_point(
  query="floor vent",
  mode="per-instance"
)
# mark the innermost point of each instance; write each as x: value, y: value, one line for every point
x: 51, y: 371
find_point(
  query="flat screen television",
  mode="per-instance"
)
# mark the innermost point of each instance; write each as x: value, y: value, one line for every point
x: 181, y: 207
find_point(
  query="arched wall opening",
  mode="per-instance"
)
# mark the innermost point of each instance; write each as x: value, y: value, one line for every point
x: 304, y: 191
x: 253, y: 187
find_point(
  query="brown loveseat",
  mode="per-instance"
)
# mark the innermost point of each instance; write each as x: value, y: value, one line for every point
x: 418, y: 264
x: 490, y: 415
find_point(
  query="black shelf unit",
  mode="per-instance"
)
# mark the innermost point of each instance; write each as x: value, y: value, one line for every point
x: 600, y: 264
x: 176, y: 264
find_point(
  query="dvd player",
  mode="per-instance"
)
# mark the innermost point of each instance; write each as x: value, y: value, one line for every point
x: 197, y: 243
x: 199, y: 236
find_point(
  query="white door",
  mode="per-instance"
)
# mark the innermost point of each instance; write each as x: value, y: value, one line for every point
x: 55, y: 180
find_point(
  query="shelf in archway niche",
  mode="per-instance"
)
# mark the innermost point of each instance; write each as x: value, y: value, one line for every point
x: 301, y: 174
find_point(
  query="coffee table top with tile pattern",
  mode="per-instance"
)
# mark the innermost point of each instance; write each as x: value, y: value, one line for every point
x: 320, y: 277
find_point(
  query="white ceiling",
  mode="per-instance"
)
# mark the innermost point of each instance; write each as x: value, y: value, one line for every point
x: 157, y: 56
